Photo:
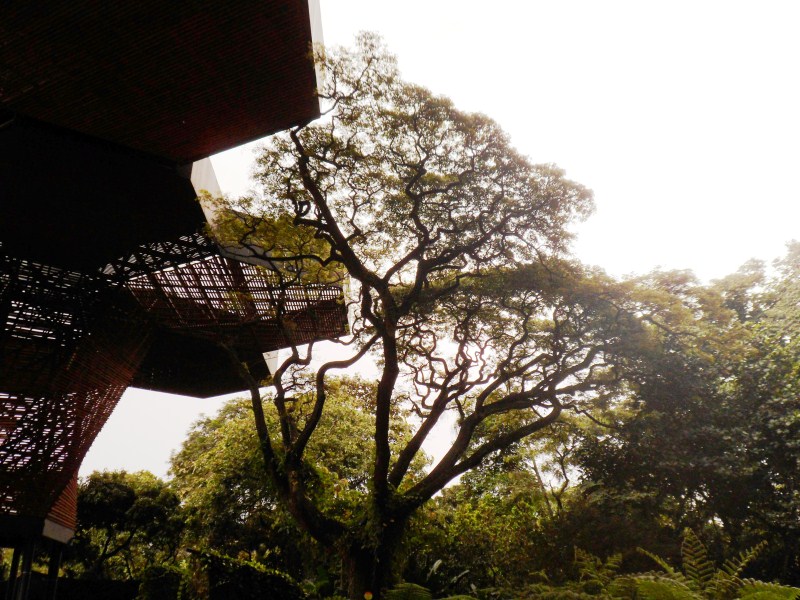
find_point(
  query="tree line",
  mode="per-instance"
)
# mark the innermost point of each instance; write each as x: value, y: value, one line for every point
x: 701, y: 437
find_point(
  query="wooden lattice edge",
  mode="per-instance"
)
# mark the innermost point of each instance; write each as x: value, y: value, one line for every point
x: 72, y: 342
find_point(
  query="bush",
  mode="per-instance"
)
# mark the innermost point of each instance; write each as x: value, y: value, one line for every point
x: 162, y: 583
x: 232, y: 579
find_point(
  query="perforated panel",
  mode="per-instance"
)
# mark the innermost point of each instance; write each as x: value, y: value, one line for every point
x: 188, y: 287
x: 70, y: 346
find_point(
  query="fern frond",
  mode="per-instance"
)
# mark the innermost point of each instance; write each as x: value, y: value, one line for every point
x: 722, y: 586
x: 726, y: 583
x: 587, y: 564
x: 733, y: 567
x: 696, y: 565
x: 613, y: 564
x: 761, y: 590
x: 408, y: 591
x: 658, y: 587
x: 623, y: 586
x: 676, y: 575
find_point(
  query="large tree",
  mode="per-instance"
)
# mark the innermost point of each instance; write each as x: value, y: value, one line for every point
x: 454, y: 246
x: 231, y: 507
x: 713, y: 442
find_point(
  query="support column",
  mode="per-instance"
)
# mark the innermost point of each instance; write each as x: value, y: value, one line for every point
x: 24, y: 581
x: 52, y: 570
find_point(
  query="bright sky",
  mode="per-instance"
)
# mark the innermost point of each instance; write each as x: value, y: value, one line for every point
x: 683, y: 117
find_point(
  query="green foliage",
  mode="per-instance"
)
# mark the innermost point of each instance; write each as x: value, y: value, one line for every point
x: 232, y: 579
x: 539, y: 591
x: 127, y: 523
x: 408, y: 591
x: 231, y: 504
x: 595, y: 572
x: 699, y: 572
x: 601, y: 579
x: 160, y: 582
x: 483, y: 532
x: 649, y: 587
x: 696, y: 565
x: 710, y: 441
x: 565, y: 594
x: 674, y: 574
x: 760, y: 590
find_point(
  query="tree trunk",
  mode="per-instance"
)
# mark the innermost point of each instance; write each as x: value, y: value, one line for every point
x: 358, y: 570
x: 367, y: 567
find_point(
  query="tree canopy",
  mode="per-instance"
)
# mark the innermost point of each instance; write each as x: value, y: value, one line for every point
x: 714, y: 436
x: 127, y: 522
x: 454, y: 247
x: 229, y: 504
x: 587, y: 418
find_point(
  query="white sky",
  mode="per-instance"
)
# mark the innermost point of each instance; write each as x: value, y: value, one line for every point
x: 683, y: 117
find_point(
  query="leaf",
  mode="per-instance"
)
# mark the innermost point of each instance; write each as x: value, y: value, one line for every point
x: 761, y: 590
x: 456, y: 578
x: 696, y: 565
x: 408, y: 591
x: 733, y: 567
x: 434, y: 568
x: 675, y: 575
x: 663, y: 588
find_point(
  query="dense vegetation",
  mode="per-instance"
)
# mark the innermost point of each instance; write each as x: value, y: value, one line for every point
x: 683, y: 486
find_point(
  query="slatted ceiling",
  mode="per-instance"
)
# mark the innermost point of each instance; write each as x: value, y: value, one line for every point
x: 176, y: 80
x: 200, y: 298
x: 73, y: 342
x: 217, y: 298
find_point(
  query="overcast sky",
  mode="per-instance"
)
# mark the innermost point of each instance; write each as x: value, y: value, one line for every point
x: 683, y: 117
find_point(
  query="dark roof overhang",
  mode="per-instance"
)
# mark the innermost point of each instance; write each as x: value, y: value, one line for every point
x: 176, y: 80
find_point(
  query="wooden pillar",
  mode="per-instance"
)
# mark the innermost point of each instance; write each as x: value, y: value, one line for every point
x: 52, y: 571
x: 24, y: 581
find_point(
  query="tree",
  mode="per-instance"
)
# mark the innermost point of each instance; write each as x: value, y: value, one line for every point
x: 229, y: 505
x: 486, y: 531
x: 455, y: 247
x: 713, y: 445
x: 126, y: 523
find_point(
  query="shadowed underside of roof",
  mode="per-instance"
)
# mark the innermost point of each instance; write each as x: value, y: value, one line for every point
x: 75, y: 202
x: 103, y: 106
x: 178, y: 80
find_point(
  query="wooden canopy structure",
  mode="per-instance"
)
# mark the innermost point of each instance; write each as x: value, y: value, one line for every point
x: 106, y: 279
